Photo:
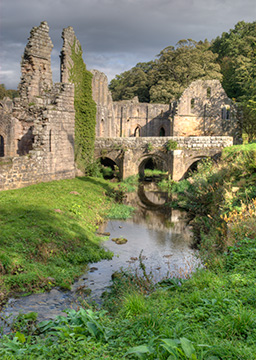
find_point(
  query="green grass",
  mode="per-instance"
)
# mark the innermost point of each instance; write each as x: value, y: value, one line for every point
x: 48, y: 230
x: 239, y: 148
x: 209, y: 316
x: 154, y: 172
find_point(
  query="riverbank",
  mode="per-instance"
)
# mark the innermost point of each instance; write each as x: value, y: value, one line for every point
x: 48, y: 234
x: 209, y: 316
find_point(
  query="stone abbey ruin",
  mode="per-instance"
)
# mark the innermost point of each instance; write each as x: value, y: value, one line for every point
x: 37, y: 129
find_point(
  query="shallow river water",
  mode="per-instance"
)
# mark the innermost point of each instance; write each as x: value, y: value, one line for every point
x: 157, y: 232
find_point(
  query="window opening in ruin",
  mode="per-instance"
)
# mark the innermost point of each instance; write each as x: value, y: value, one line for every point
x: 137, y: 132
x: 225, y: 113
x: 192, y: 103
x: 1, y: 146
x: 25, y: 144
x: 162, y: 132
x: 209, y: 91
x: 50, y: 140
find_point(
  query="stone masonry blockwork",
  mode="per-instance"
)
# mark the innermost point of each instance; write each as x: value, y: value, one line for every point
x: 37, y: 129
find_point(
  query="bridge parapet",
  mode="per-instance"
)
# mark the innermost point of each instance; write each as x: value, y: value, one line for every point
x: 191, y: 142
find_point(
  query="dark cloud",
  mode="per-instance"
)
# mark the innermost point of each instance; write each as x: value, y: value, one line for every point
x: 115, y: 34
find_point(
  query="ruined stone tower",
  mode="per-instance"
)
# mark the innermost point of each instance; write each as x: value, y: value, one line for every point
x: 37, y: 130
x: 36, y: 64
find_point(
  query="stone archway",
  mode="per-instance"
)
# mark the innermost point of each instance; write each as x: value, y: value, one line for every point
x: 137, y: 131
x: 162, y: 131
x: 193, y: 167
x: 109, y: 169
x: 152, y: 162
x: 1, y: 146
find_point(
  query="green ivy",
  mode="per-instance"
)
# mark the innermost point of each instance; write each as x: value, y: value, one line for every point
x: 85, y: 110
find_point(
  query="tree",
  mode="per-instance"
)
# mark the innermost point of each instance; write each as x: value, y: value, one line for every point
x: 7, y: 93
x: 178, y: 67
x: 164, y: 79
x: 131, y: 83
x: 237, y: 57
x: 247, y: 117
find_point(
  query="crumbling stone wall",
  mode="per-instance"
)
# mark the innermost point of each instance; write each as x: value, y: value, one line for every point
x: 127, y: 118
x: 36, y: 64
x: 204, y: 109
x: 69, y: 40
x: 105, y: 119
x: 37, y: 129
x: 137, y: 119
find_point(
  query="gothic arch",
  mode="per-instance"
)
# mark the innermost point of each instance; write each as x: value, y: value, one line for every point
x: 137, y: 131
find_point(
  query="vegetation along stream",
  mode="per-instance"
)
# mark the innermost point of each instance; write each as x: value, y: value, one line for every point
x: 156, y: 236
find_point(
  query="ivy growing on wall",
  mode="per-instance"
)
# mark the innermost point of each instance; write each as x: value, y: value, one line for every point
x: 85, y: 110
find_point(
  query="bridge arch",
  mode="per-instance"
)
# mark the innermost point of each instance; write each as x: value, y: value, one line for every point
x: 153, y: 162
x: 110, y: 168
x: 192, y: 165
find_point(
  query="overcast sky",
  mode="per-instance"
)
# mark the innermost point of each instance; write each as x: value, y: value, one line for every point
x: 115, y: 34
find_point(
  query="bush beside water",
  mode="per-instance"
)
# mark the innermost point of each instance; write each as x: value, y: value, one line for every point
x: 209, y: 315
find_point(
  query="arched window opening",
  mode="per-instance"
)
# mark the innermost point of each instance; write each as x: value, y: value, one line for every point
x: 225, y: 113
x: 25, y: 144
x: 162, y: 132
x: 1, y: 146
x: 209, y: 92
x: 137, y: 132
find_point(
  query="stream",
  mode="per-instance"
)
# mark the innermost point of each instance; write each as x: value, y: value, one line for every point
x: 155, y: 231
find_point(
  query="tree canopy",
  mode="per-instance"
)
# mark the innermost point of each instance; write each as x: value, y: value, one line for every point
x: 231, y: 58
x: 237, y: 57
x: 164, y: 79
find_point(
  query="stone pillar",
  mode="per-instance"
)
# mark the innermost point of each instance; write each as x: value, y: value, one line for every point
x: 69, y: 40
x: 36, y: 70
x: 178, y: 166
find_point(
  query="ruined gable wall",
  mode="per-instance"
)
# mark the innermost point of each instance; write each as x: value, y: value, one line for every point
x: 106, y: 126
x: 201, y: 111
x: 36, y: 64
x: 41, y: 131
x: 122, y: 118
x: 69, y: 40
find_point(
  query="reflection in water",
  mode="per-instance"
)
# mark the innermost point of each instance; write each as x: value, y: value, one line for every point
x: 158, y: 231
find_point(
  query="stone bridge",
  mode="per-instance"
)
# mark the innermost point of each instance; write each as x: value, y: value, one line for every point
x: 133, y: 154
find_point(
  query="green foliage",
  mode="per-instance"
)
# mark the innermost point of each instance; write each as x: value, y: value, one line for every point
x: 165, y: 78
x: 48, y: 230
x: 171, y: 145
x: 154, y: 172
x: 85, y: 111
x: 7, y: 93
x: 120, y: 211
x: 247, y: 116
x: 149, y: 147
x: 236, y: 55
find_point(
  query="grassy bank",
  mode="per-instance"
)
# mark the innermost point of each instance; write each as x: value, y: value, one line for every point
x: 210, y: 316
x: 47, y: 233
